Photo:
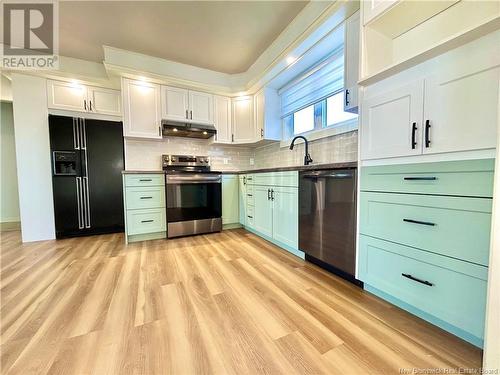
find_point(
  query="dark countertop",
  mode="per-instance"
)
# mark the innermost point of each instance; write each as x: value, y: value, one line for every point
x: 351, y: 164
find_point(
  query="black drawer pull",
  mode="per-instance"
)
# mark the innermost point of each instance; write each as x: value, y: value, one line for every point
x: 408, y: 276
x: 250, y: 195
x: 147, y: 221
x: 413, y: 133
x: 419, y: 222
x: 427, y: 133
x: 145, y: 180
x: 146, y: 197
x: 420, y: 178
x: 251, y: 217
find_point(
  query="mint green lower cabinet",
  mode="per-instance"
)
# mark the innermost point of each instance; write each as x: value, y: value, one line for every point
x: 263, y: 210
x: 151, y: 220
x: 144, y: 203
x: 286, y: 216
x: 460, y: 178
x: 242, y: 196
x: 447, y: 292
x: 457, y: 227
x: 230, y: 199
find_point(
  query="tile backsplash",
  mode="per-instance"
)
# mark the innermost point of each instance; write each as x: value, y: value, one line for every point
x: 146, y: 154
x: 334, y: 149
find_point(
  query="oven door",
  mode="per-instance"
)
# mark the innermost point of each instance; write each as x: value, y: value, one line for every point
x: 193, y: 196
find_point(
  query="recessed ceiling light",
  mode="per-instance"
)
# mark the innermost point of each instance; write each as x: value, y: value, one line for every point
x: 290, y: 60
x: 205, y: 133
x: 174, y: 129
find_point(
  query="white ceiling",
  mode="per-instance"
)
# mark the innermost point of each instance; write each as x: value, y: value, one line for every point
x: 224, y: 36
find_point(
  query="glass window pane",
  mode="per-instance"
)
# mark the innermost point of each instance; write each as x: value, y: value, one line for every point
x: 303, y: 120
x: 335, y: 110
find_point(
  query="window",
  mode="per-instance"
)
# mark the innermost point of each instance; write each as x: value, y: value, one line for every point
x: 335, y: 113
x: 315, y: 100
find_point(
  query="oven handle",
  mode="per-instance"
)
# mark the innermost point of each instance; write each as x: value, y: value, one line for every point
x: 194, y: 179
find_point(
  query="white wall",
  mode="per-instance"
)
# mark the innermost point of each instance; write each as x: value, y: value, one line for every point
x: 33, y: 157
x: 492, y: 337
x: 9, y: 196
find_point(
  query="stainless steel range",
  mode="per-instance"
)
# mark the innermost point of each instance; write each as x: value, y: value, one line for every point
x: 194, y: 195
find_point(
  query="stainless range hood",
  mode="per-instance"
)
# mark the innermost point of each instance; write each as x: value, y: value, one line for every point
x: 184, y: 129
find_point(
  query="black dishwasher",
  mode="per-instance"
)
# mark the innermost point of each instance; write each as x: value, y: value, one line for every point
x: 327, y: 219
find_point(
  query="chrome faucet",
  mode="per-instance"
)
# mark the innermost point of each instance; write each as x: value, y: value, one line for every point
x: 307, y: 157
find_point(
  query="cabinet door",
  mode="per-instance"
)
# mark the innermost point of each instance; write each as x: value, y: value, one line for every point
x: 461, y: 111
x: 201, y: 107
x: 104, y: 101
x: 286, y: 216
x: 174, y: 103
x: 242, y: 198
x: 391, y: 121
x: 263, y: 210
x: 230, y: 200
x: 351, y: 63
x: 141, y: 109
x: 67, y: 96
x: 243, y: 120
x: 222, y: 116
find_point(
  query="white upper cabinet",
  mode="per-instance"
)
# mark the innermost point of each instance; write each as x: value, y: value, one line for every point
x: 187, y: 105
x: 351, y: 63
x: 244, y: 130
x: 222, y: 119
x: 373, y: 8
x: 392, y: 123
x: 175, y: 103
x: 104, y: 101
x: 267, y: 115
x: 201, y: 107
x: 141, y: 109
x: 67, y: 96
x: 461, y: 110
x: 76, y: 97
x: 450, y: 105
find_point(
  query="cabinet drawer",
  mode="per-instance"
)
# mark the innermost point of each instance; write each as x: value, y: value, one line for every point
x: 145, y: 197
x: 146, y: 221
x: 290, y: 178
x: 453, y: 226
x: 250, y: 198
x: 250, y: 216
x: 144, y: 179
x: 458, y: 292
x: 463, y: 178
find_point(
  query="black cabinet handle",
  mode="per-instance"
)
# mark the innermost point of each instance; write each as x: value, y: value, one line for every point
x: 413, y: 134
x: 408, y: 276
x: 187, y: 117
x: 146, y: 198
x: 250, y: 195
x: 244, y: 180
x: 251, y: 217
x: 272, y: 194
x: 347, y: 98
x: 145, y: 179
x: 90, y: 103
x: 268, y: 194
x: 427, y: 133
x: 84, y: 104
x: 419, y: 222
x: 147, y: 221
x: 420, y: 178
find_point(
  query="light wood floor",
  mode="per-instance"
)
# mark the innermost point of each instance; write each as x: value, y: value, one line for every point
x: 215, y: 304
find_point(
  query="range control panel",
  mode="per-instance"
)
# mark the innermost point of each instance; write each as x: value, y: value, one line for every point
x: 185, y: 161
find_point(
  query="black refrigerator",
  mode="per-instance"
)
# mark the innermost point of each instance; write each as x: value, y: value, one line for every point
x: 87, y: 162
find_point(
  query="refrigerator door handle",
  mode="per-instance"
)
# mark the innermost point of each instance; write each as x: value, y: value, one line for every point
x: 79, y: 201
x: 87, y: 202
x: 76, y: 134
